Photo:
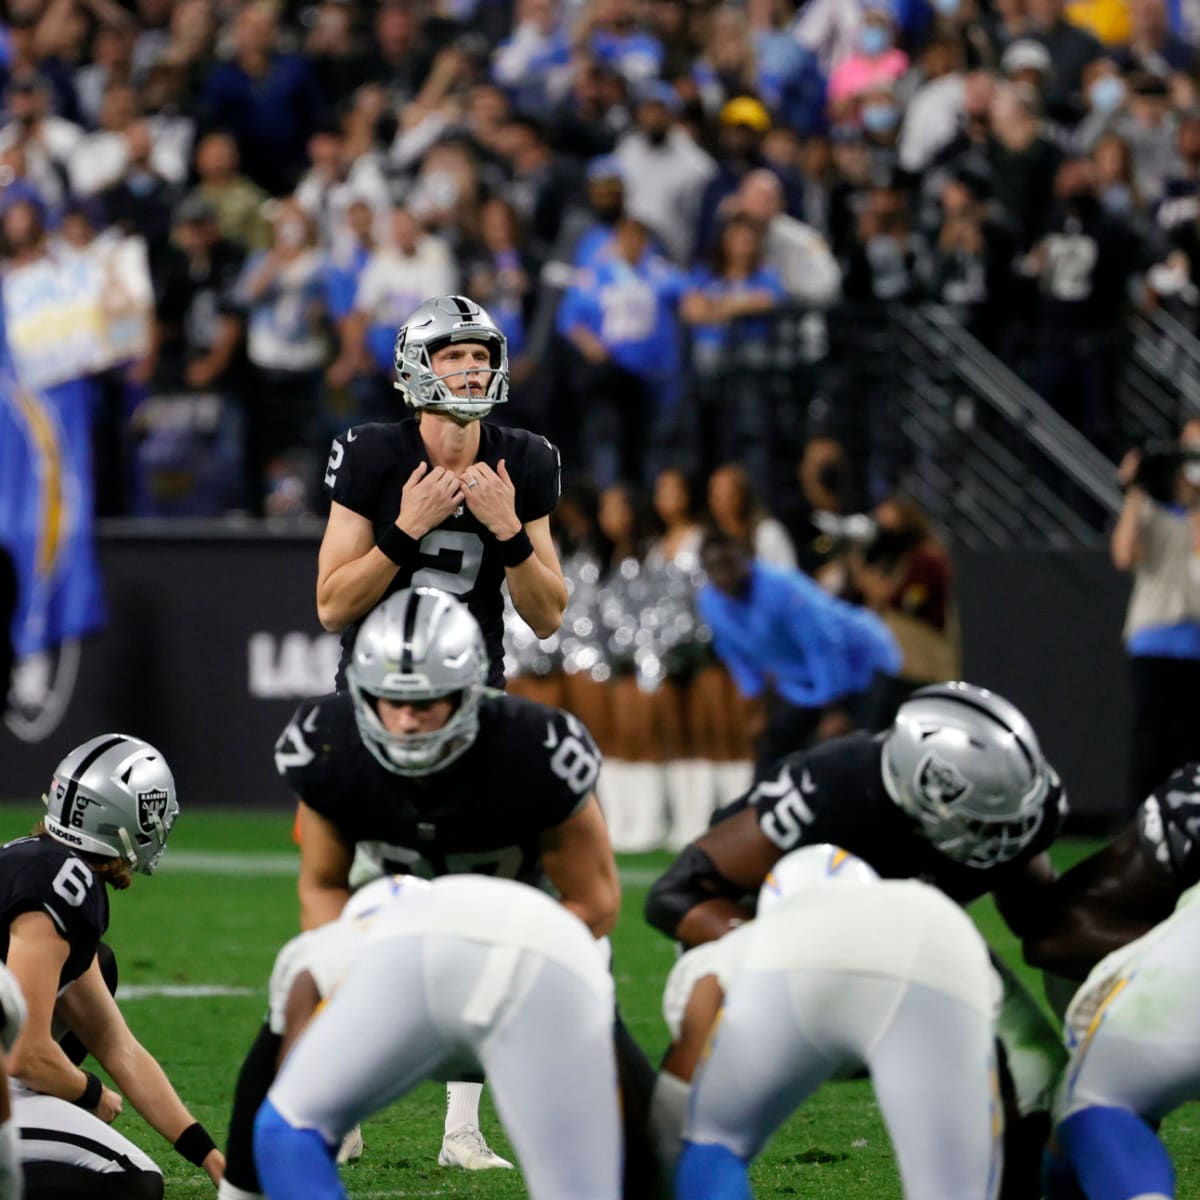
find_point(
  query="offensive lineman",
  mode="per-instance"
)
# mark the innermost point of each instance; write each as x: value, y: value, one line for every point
x: 445, y: 500
x: 957, y: 793
x: 430, y: 773
x: 109, y: 812
x: 840, y: 970
x: 494, y: 976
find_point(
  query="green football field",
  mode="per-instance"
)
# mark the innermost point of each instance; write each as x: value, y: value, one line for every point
x: 224, y: 901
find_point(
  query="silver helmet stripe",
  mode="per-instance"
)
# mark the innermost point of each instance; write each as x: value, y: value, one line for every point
x: 411, y: 612
x: 959, y: 698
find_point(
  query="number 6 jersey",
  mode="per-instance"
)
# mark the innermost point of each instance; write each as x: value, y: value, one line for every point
x: 37, y: 874
x: 367, y: 470
x: 530, y: 768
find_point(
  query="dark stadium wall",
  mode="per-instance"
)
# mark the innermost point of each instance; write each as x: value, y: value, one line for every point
x: 213, y: 641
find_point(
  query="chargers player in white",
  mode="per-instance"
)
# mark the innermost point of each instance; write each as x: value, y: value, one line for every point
x: 1135, y: 1057
x: 465, y: 972
x: 884, y: 974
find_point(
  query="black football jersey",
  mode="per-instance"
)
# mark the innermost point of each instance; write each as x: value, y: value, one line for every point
x: 38, y: 874
x: 367, y: 470
x: 834, y: 793
x: 530, y: 768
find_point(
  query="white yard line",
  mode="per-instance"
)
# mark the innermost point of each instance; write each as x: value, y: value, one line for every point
x: 215, y: 862
x: 180, y: 991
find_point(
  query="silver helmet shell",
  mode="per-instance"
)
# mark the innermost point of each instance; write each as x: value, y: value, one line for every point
x: 965, y: 764
x: 436, y: 324
x: 418, y: 645
x: 812, y: 866
x: 113, y: 796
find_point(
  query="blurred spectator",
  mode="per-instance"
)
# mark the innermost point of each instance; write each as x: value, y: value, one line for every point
x: 830, y: 29
x: 664, y: 171
x: 269, y: 101
x: 737, y: 512
x: 400, y: 275
x: 1157, y: 538
x: 1106, y: 20
x: 727, y: 68
x: 884, y: 263
x: 1107, y: 98
x: 187, y: 44
x: 970, y: 262
x: 527, y: 63
x: 200, y: 324
x: 8, y: 612
x: 500, y: 275
x: 904, y: 574
x: 1083, y: 266
x: 1022, y: 159
x: 47, y: 142
x: 876, y: 61
x: 540, y: 185
x: 1152, y: 46
x: 620, y: 318
x: 281, y: 292
x: 826, y: 495
x: 806, y: 658
x: 338, y: 64
x: 744, y: 122
x: 26, y: 58
x: 1151, y: 133
x: 588, y: 120
x: 797, y: 254
x: 1181, y: 192
x: 1070, y: 49
x: 633, y: 795
x: 590, y: 230
x: 112, y: 63
x: 673, y: 24
x: 789, y: 77
x: 164, y: 102
x: 335, y: 180
x: 398, y: 57
x: 237, y: 201
x: 103, y: 158
x: 932, y: 117
x: 141, y: 199
x: 737, y: 285
x: 348, y: 258
x: 612, y: 33
x: 444, y: 196
x: 1116, y: 183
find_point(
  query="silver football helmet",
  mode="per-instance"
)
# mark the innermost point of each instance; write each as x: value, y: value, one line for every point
x: 113, y: 796
x: 965, y: 764
x: 812, y: 866
x: 418, y: 645
x: 436, y: 324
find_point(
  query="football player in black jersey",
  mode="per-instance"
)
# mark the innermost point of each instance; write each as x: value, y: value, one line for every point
x: 956, y: 793
x: 1125, y: 888
x: 430, y: 773
x: 109, y: 812
x: 444, y: 500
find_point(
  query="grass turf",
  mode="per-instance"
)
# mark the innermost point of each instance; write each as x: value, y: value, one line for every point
x: 209, y: 919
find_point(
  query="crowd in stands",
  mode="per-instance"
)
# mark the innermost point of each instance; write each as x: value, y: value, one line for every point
x: 626, y: 185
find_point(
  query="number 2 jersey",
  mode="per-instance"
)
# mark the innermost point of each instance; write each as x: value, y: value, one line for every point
x: 834, y: 793
x: 38, y: 874
x: 530, y: 768
x: 367, y: 470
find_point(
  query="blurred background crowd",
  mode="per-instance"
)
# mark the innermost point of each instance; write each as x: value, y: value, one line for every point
x: 620, y: 182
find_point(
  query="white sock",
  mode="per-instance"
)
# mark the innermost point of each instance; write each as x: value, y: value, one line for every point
x: 613, y: 795
x: 691, y: 798
x: 462, y: 1105
x: 228, y: 1191
x: 646, y: 811
x: 733, y: 780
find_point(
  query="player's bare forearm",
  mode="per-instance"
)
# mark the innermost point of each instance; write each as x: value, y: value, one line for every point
x: 1080, y: 939
x: 578, y: 859
x: 144, y: 1083
x: 539, y: 594
x: 42, y: 1067
x: 351, y: 591
x: 710, y: 920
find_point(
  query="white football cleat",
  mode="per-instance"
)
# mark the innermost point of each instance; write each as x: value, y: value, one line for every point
x: 466, y: 1148
x: 351, y: 1149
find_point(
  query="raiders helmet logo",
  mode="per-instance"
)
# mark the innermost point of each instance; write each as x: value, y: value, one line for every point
x: 151, y: 809
x: 941, y: 783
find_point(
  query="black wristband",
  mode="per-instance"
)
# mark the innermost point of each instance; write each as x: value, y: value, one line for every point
x: 398, y: 546
x: 516, y: 550
x: 92, y: 1091
x: 194, y: 1144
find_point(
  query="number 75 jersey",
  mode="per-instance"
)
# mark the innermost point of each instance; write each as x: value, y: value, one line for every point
x: 531, y: 768
x: 367, y: 470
